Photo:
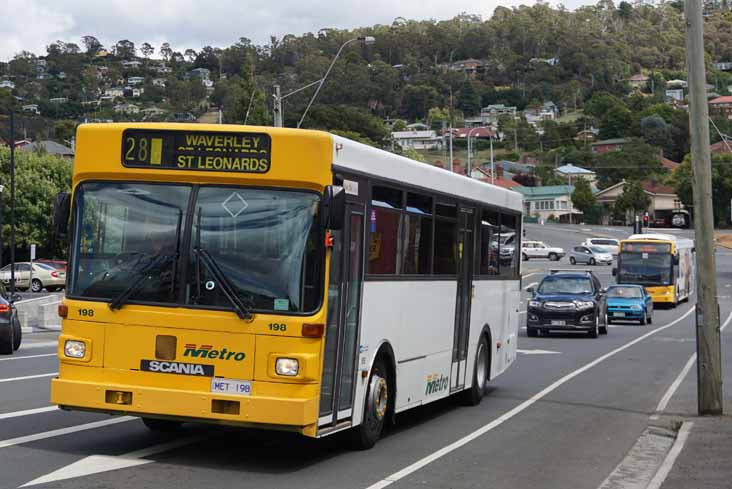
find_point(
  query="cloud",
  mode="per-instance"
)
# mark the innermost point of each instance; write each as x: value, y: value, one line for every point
x: 32, y: 24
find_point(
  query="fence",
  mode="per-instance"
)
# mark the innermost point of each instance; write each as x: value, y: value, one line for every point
x: 39, y: 314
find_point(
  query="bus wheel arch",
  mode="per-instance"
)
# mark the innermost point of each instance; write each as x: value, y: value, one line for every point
x: 484, y: 351
x: 386, y: 354
x: 379, y: 399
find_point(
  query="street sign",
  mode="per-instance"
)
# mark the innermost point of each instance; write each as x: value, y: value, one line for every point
x: 33, y: 252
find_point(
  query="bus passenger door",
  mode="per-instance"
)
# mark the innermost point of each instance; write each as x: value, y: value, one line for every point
x: 342, y: 328
x: 465, y: 253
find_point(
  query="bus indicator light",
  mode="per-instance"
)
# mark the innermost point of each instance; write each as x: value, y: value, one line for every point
x: 313, y: 330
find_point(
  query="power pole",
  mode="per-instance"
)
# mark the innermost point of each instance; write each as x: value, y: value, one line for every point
x: 12, y: 202
x: 277, y: 107
x: 709, y: 365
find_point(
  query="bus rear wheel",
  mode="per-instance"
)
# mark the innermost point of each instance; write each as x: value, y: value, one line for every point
x: 161, y: 425
x: 376, y: 407
x: 480, y: 374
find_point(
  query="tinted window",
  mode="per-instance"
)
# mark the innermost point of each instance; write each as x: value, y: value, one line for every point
x: 488, y: 263
x: 385, y: 230
x: 445, y: 248
x: 419, y: 204
x: 386, y: 197
x: 508, y: 254
x: 446, y: 210
x: 417, y: 245
x: 628, y: 292
x: 566, y: 285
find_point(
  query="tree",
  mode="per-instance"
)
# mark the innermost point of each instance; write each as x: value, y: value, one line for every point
x: 147, y: 50
x: 91, y: 44
x: 582, y: 197
x: 469, y: 101
x: 601, y: 103
x: 633, y: 199
x: 190, y: 55
x: 681, y: 181
x: 636, y: 160
x: 656, y: 132
x: 125, y: 49
x: 616, y: 122
x: 165, y: 51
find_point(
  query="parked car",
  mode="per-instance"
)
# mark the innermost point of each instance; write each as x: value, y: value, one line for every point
x: 629, y: 303
x: 608, y: 245
x: 537, y: 249
x: 591, y: 255
x: 567, y: 300
x: 44, y: 276
x: 11, y: 333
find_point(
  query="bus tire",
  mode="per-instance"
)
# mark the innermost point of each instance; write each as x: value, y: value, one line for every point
x: 481, y: 373
x: 375, y: 409
x: 161, y: 425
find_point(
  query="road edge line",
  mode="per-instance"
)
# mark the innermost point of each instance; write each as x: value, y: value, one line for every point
x: 62, y: 431
x: 28, y: 412
x: 396, y: 476
x: 673, y: 454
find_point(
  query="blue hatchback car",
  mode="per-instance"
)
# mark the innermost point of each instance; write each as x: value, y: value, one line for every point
x: 629, y: 303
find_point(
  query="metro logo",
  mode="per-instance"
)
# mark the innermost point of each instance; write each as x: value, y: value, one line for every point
x: 436, y: 383
x: 208, y: 351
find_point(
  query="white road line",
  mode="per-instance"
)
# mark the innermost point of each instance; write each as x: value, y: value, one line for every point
x: 522, y: 312
x: 27, y: 377
x: 673, y: 454
x: 663, y: 403
x: 28, y: 412
x: 530, y: 274
x: 27, y: 356
x: 40, y: 344
x: 63, y: 431
x: 531, y: 285
x: 517, y: 410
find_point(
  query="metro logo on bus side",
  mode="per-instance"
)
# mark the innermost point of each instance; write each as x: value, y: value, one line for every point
x: 233, y: 152
x: 436, y: 383
x: 208, y: 351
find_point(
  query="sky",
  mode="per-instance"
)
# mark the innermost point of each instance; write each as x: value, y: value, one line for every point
x: 33, y: 24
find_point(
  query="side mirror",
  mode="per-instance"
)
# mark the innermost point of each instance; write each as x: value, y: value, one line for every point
x: 615, y: 272
x: 530, y: 290
x: 603, y: 290
x: 61, y: 213
x: 15, y: 297
x: 333, y: 207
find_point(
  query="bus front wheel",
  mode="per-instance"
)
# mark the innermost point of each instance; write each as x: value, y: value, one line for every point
x: 375, y: 410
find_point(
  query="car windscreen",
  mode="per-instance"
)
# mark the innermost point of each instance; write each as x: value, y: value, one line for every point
x: 624, y: 292
x: 565, y: 285
x: 595, y: 249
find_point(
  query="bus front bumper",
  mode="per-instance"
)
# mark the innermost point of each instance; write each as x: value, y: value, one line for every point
x: 284, y: 413
x: 661, y: 295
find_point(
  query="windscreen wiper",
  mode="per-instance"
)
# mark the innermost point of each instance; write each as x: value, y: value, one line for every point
x: 157, y: 263
x: 243, y: 310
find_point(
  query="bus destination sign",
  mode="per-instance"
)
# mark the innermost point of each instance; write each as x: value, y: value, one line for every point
x: 233, y: 152
x: 646, y: 247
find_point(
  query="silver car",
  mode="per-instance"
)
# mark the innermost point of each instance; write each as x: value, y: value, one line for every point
x: 590, y: 255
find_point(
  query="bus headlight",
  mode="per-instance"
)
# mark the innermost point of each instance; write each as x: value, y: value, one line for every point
x: 74, y: 349
x: 287, y: 366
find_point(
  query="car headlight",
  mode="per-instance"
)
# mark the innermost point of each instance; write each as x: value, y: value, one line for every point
x: 584, y: 304
x: 287, y: 366
x: 636, y: 307
x: 535, y: 304
x: 74, y: 349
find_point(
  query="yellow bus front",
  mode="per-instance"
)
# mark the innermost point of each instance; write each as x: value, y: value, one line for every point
x: 649, y: 263
x: 197, y: 272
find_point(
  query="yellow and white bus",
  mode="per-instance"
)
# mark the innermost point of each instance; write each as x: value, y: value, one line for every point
x: 663, y: 263
x: 278, y: 278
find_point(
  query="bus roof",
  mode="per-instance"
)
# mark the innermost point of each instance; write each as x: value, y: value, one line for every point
x: 367, y: 160
x: 677, y: 241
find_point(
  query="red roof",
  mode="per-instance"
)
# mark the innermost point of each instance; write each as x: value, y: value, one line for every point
x: 670, y: 165
x: 503, y: 183
x: 721, y: 147
x: 727, y: 99
x: 657, y: 188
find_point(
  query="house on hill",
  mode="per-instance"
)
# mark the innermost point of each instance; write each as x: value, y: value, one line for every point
x: 638, y: 82
x: 664, y: 201
x: 50, y: 147
x: 722, y: 106
x: 722, y: 147
x: 573, y: 172
x: 548, y: 203
x: 602, y: 147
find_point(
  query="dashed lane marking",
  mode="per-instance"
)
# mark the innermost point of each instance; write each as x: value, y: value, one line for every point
x: 27, y: 356
x: 28, y: 412
x: 28, y: 377
x: 63, y: 431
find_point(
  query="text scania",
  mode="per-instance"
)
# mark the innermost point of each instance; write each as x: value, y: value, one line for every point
x: 436, y: 383
x: 180, y: 368
x: 208, y: 351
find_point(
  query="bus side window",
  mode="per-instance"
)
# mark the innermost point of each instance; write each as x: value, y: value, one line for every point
x: 489, y: 244
x: 385, y: 229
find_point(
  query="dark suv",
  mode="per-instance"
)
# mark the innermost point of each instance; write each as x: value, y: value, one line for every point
x: 567, y: 300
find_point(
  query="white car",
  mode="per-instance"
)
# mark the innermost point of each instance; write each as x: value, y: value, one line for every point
x: 537, y: 249
x: 608, y: 245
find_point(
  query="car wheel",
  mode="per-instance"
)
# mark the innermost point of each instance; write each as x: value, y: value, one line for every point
x: 603, y: 329
x: 17, y: 334
x: 572, y: 260
x: 480, y: 374
x: 161, y: 425
x: 532, y: 332
x: 595, y: 331
x: 650, y: 319
x: 591, y: 262
x: 6, y: 341
x: 525, y: 256
x: 643, y: 320
x: 368, y: 432
x: 36, y: 285
x: 553, y: 257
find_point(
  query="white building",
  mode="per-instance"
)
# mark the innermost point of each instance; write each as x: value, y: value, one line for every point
x: 159, y: 82
x: 7, y: 84
x: 135, y: 80
x: 114, y: 92
x: 127, y: 109
x: 417, y: 139
x: 571, y: 172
